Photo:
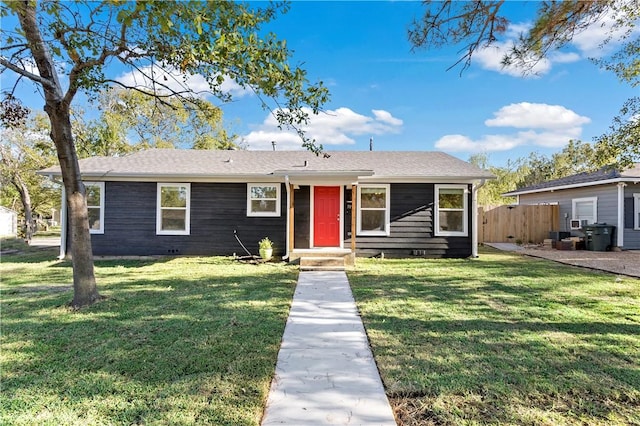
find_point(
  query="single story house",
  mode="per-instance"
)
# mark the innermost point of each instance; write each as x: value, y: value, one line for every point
x: 605, y: 196
x: 195, y: 202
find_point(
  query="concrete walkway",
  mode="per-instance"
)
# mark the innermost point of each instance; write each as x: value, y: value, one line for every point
x: 325, y: 373
x: 45, y: 242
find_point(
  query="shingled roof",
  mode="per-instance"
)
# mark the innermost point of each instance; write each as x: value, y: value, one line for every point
x: 178, y: 163
x: 602, y: 176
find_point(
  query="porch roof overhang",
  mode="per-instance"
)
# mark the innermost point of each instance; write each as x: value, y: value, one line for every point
x: 316, y: 176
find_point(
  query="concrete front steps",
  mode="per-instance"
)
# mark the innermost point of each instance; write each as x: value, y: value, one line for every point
x: 322, y: 259
x: 322, y: 264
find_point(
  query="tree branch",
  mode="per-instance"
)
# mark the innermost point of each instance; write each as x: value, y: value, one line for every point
x: 31, y: 76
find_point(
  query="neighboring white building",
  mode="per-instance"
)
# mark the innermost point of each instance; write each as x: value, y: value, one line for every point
x: 8, y: 222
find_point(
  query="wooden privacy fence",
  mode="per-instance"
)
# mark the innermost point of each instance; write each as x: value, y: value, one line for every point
x: 522, y: 223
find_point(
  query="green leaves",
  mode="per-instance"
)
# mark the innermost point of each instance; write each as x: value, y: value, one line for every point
x: 623, y: 139
x: 131, y: 120
x: 217, y: 40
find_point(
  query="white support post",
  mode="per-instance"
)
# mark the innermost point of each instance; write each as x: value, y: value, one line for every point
x: 288, y: 247
x: 474, y: 217
x: 620, y: 228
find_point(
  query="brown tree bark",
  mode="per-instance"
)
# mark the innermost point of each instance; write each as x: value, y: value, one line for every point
x: 85, y: 290
x: 57, y: 107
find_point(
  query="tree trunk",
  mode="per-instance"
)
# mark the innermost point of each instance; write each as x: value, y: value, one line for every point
x: 57, y: 107
x: 25, y: 197
x: 85, y: 291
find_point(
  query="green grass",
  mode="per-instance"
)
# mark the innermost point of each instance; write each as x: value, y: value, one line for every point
x: 54, y: 231
x: 502, y: 339
x: 176, y: 341
x: 9, y: 243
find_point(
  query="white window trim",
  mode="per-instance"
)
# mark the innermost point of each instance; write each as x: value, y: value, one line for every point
x: 387, y: 209
x: 594, y: 200
x: 636, y: 211
x: 465, y: 209
x: 187, y: 216
x: 101, y: 186
x: 264, y: 214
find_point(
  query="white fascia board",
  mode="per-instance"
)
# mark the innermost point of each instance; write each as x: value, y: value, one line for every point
x: 299, y: 177
x: 183, y: 178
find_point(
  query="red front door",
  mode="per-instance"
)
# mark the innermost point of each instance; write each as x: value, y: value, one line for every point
x: 326, y: 216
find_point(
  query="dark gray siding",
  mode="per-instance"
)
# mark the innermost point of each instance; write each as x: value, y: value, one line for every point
x: 217, y: 209
x: 411, y: 229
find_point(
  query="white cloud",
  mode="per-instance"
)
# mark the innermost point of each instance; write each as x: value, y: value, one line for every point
x: 171, y: 79
x: 30, y: 66
x: 461, y: 143
x: 549, y: 126
x: 589, y: 41
x: 337, y: 127
x: 540, y: 116
x: 564, y: 57
x: 516, y: 28
x: 490, y: 58
x: 386, y: 117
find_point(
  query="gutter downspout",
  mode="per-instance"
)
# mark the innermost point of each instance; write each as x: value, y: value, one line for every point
x: 474, y: 217
x: 620, y: 229
x: 63, y: 225
x: 288, y: 188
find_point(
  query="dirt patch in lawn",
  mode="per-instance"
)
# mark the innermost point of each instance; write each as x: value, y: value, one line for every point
x: 617, y: 262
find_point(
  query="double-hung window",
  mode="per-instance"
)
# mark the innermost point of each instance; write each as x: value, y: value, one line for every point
x: 451, y: 210
x: 95, y: 206
x: 263, y: 199
x: 173, y: 208
x: 373, y: 209
x: 584, y: 210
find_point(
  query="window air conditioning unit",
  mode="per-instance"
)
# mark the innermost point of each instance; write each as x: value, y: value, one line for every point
x: 579, y: 223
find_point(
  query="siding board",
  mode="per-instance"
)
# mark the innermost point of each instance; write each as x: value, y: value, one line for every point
x: 217, y: 209
x: 607, y: 203
x: 411, y: 227
x: 607, y: 207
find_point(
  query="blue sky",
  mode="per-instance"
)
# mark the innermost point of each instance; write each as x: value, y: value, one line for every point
x: 407, y: 100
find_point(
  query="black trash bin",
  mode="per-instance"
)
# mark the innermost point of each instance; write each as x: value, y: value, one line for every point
x: 598, y: 236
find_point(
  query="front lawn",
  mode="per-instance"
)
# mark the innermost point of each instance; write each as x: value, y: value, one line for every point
x: 502, y: 339
x: 176, y: 341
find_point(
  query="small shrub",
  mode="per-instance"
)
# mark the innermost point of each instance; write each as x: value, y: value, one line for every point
x: 265, y: 243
